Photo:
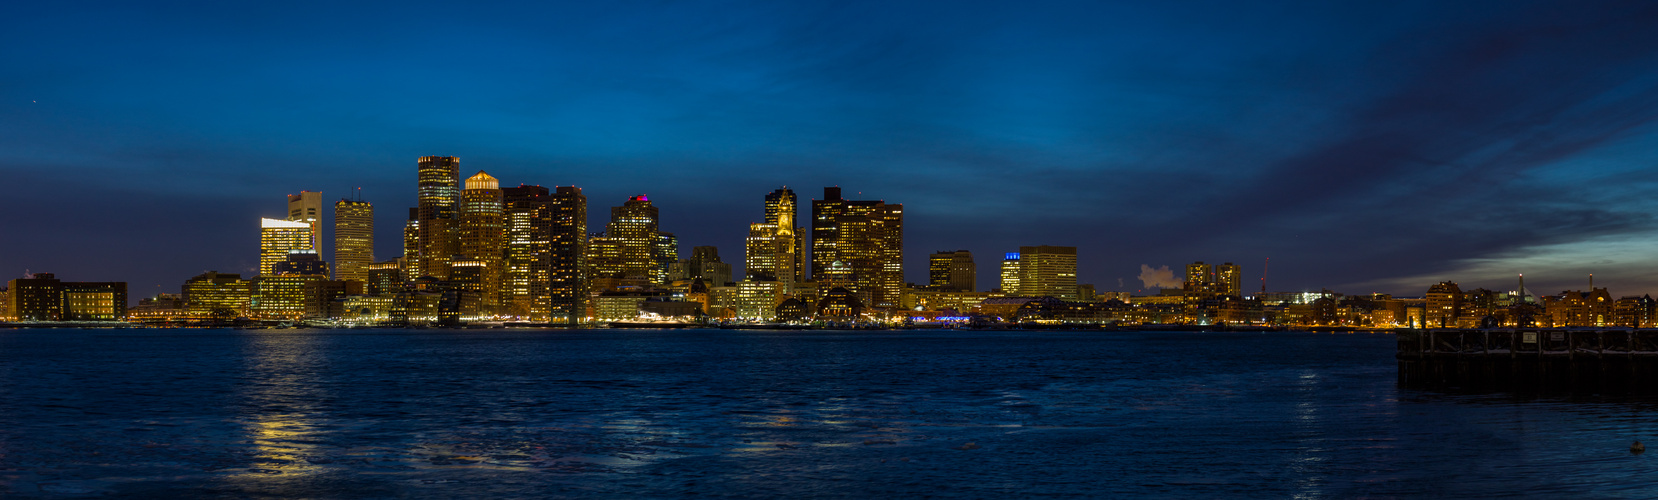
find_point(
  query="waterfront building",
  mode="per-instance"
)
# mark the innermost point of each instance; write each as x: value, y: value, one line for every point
x: 439, y: 198
x: 5, y: 301
x: 952, y: 271
x: 216, y: 294
x: 1635, y: 312
x: 325, y: 299
x: 757, y: 300
x: 43, y: 297
x: 1010, y: 275
x: 306, y: 207
x: 1444, y: 304
x: 1048, y: 271
x: 353, y: 239
x: 940, y: 300
x: 281, y: 297
x: 867, y: 236
x: 623, y: 305
x: 1579, y: 308
x: 162, y: 308
x: 482, y: 243
x: 278, y: 238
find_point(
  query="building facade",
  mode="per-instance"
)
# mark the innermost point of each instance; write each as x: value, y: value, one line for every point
x: 438, y: 194
x: 278, y: 238
x: 952, y: 271
x: 867, y: 236
x: 353, y: 239
x: 307, y: 207
x: 1048, y: 271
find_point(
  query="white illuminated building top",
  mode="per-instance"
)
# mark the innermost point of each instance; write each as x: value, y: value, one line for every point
x: 282, y: 224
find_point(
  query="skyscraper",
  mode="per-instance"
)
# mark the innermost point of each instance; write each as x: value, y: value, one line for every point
x: 353, y: 239
x: 546, y: 258
x: 1010, y: 274
x: 411, y: 246
x: 633, y: 229
x: 952, y: 271
x: 307, y: 207
x: 439, y: 198
x: 481, y: 242
x: 279, y: 237
x: 773, y: 246
x: 865, y: 236
x: 783, y: 202
x: 1048, y: 271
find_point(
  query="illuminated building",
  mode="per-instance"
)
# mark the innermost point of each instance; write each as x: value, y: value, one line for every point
x: 1444, y: 304
x: 782, y: 203
x: 42, y: 297
x: 1636, y: 312
x: 773, y: 245
x: 939, y: 300
x: 1229, y: 279
x: 439, y: 197
x: 307, y: 207
x: 216, y: 294
x: 411, y: 246
x: 866, y: 236
x: 953, y: 271
x: 631, y: 245
x: 277, y: 238
x: 667, y: 253
x: 163, y: 308
x: 1010, y: 274
x: 1048, y: 271
x: 546, y: 251
x: 353, y: 239
x: 1200, y: 278
x: 839, y: 304
x: 5, y: 304
x: 757, y: 300
x: 482, y: 240
x: 281, y: 297
x: 1576, y: 308
x: 622, y: 305
x: 384, y: 277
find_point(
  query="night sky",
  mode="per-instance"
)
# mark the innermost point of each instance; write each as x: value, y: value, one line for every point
x: 1363, y: 148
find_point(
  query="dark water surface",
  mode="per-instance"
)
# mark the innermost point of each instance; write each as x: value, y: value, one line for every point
x: 529, y: 414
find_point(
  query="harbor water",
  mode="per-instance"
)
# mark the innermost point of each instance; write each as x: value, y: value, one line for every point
x: 768, y: 414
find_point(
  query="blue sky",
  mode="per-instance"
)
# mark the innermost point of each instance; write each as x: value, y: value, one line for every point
x: 1363, y: 147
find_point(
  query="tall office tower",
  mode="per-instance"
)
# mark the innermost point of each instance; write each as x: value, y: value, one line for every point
x: 1200, y: 277
x: 528, y: 252
x: 781, y: 202
x: 307, y: 207
x: 279, y: 237
x: 439, y: 197
x: 1010, y: 274
x: 411, y: 246
x: 773, y: 246
x: 567, y: 293
x: 633, y: 230
x: 1229, y: 279
x: 481, y: 238
x: 867, y: 237
x: 546, y: 260
x: 1048, y: 271
x: 353, y: 239
x: 667, y: 253
x: 952, y: 271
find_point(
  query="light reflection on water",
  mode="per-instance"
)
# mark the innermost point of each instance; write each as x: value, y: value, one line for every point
x: 624, y: 414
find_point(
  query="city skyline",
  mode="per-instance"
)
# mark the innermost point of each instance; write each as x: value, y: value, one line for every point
x: 1377, y: 148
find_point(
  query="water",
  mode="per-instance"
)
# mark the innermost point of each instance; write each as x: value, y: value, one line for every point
x: 495, y: 413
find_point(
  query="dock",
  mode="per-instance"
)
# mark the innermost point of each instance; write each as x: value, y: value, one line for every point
x: 1521, y: 358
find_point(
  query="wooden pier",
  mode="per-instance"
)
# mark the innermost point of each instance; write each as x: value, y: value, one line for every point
x: 1573, y: 358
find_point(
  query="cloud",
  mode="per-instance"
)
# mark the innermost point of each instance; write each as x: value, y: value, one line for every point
x: 1161, y: 277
